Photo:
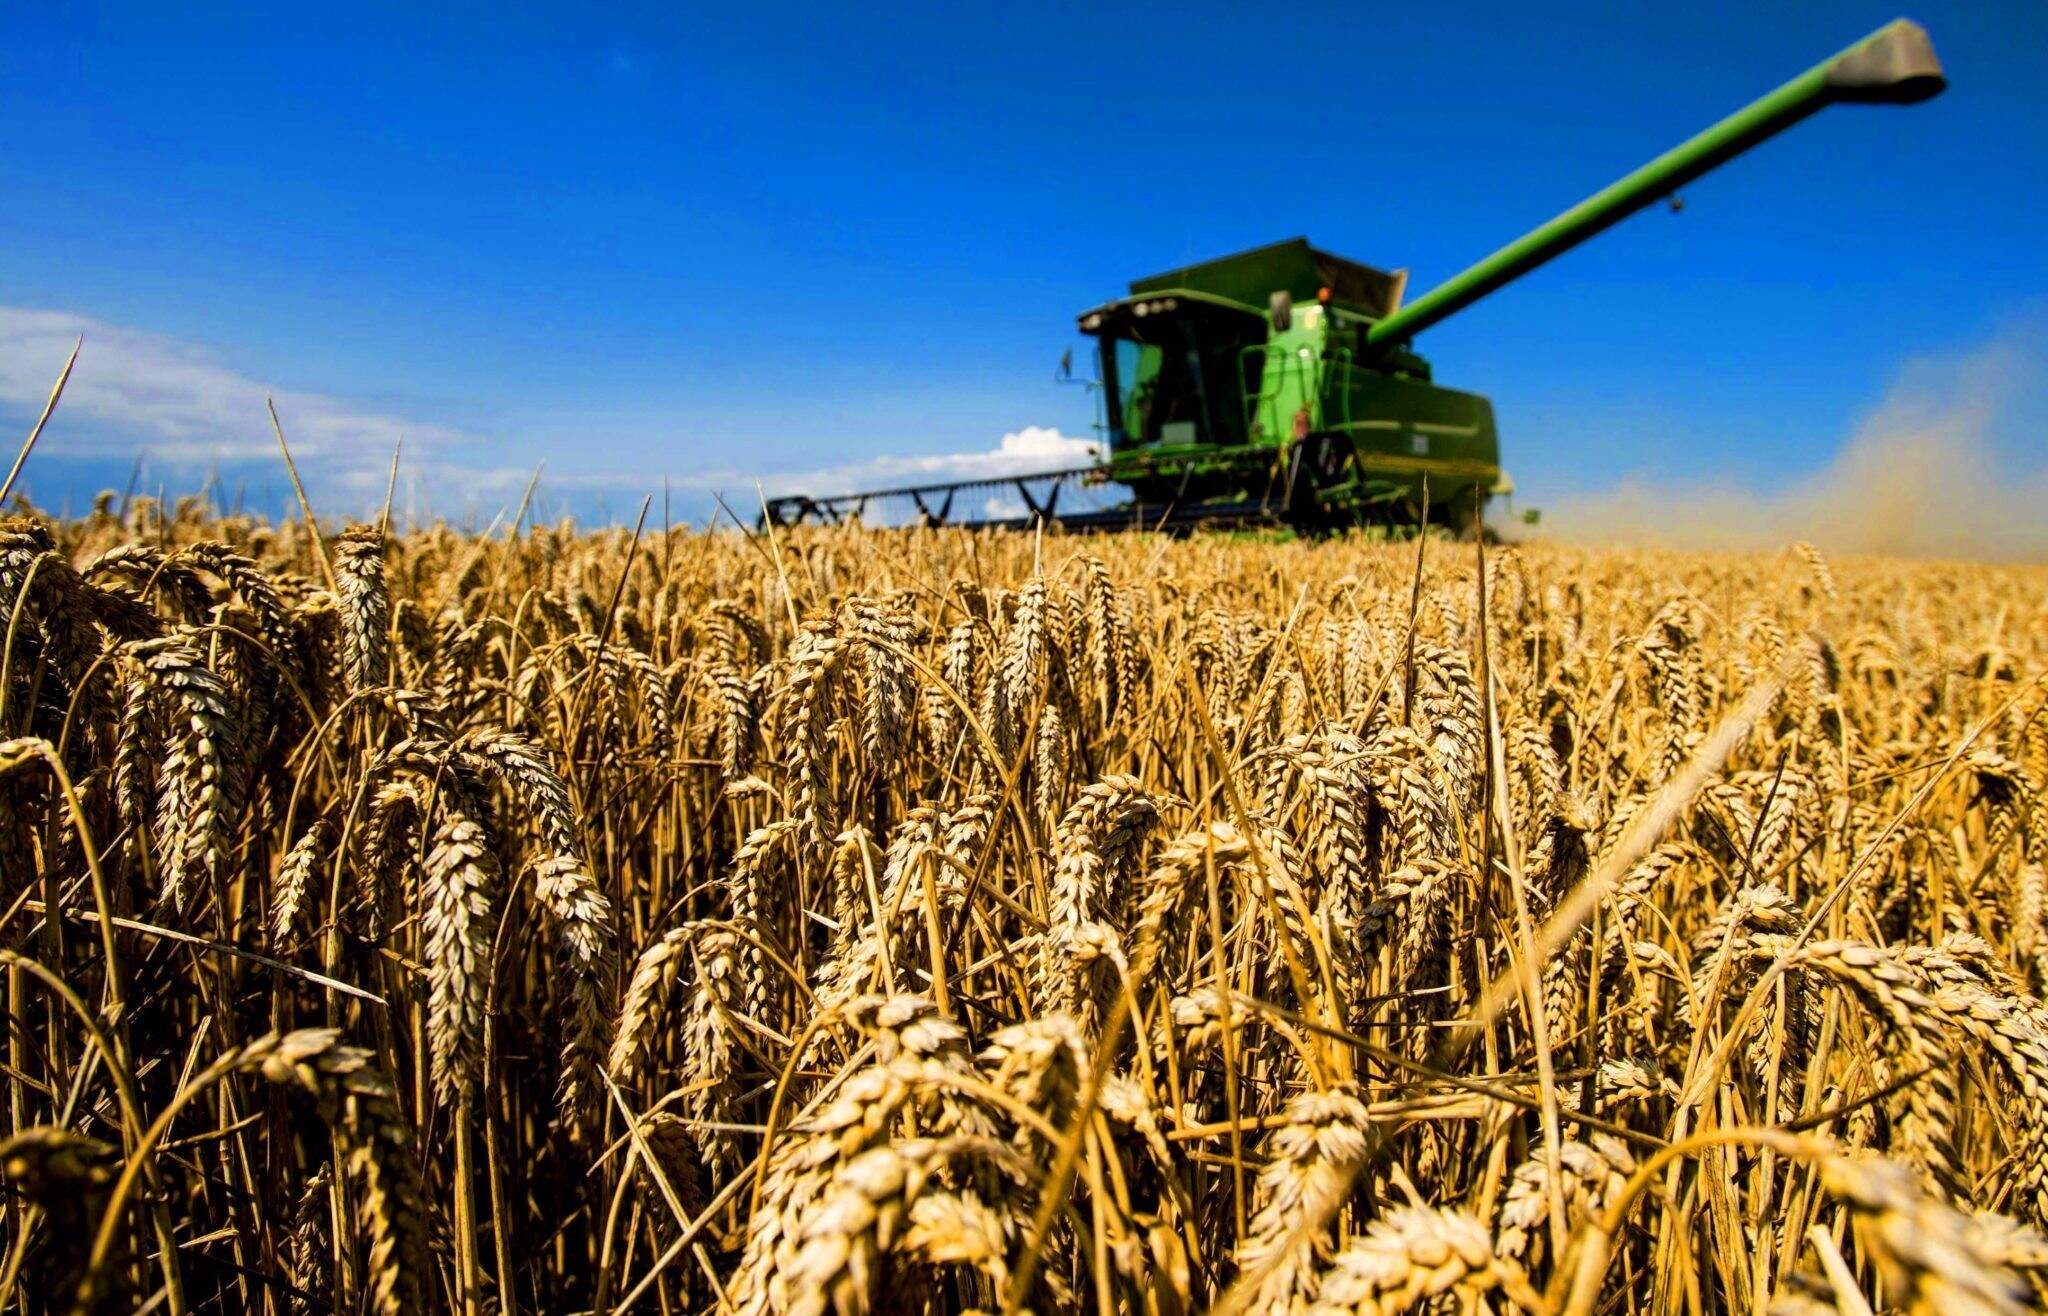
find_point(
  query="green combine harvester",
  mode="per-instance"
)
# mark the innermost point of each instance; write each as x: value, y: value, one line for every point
x: 1278, y: 386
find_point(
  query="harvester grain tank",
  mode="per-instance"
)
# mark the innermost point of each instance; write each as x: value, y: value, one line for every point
x: 1280, y: 384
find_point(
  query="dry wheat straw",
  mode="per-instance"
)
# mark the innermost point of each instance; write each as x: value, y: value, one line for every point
x: 1017, y: 922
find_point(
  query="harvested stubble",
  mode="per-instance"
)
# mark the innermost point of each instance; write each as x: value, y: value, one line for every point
x: 922, y: 921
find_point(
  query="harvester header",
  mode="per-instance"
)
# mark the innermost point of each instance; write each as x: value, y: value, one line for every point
x: 1278, y: 385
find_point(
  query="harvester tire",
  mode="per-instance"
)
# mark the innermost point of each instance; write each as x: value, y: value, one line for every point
x: 1313, y: 463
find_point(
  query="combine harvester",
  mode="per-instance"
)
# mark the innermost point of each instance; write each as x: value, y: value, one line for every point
x: 1278, y: 386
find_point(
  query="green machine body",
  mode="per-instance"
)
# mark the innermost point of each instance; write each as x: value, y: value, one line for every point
x: 1286, y: 375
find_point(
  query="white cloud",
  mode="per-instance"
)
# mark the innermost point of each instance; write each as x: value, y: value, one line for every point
x: 187, y: 409
x: 1021, y: 452
x: 1032, y: 450
x: 180, y: 400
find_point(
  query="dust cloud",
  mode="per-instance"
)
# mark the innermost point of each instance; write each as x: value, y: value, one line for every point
x: 1952, y: 464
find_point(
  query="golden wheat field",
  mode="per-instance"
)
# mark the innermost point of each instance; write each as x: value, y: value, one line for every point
x: 925, y: 921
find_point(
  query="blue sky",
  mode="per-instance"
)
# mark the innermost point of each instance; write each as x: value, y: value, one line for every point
x: 769, y: 240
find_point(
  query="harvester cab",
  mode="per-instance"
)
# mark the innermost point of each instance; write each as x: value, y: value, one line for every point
x: 1250, y: 376
x: 1279, y: 384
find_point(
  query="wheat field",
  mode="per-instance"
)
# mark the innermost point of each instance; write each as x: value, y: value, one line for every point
x: 928, y: 921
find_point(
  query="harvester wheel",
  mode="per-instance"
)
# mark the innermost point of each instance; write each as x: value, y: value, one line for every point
x: 1462, y: 515
x: 1313, y: 463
